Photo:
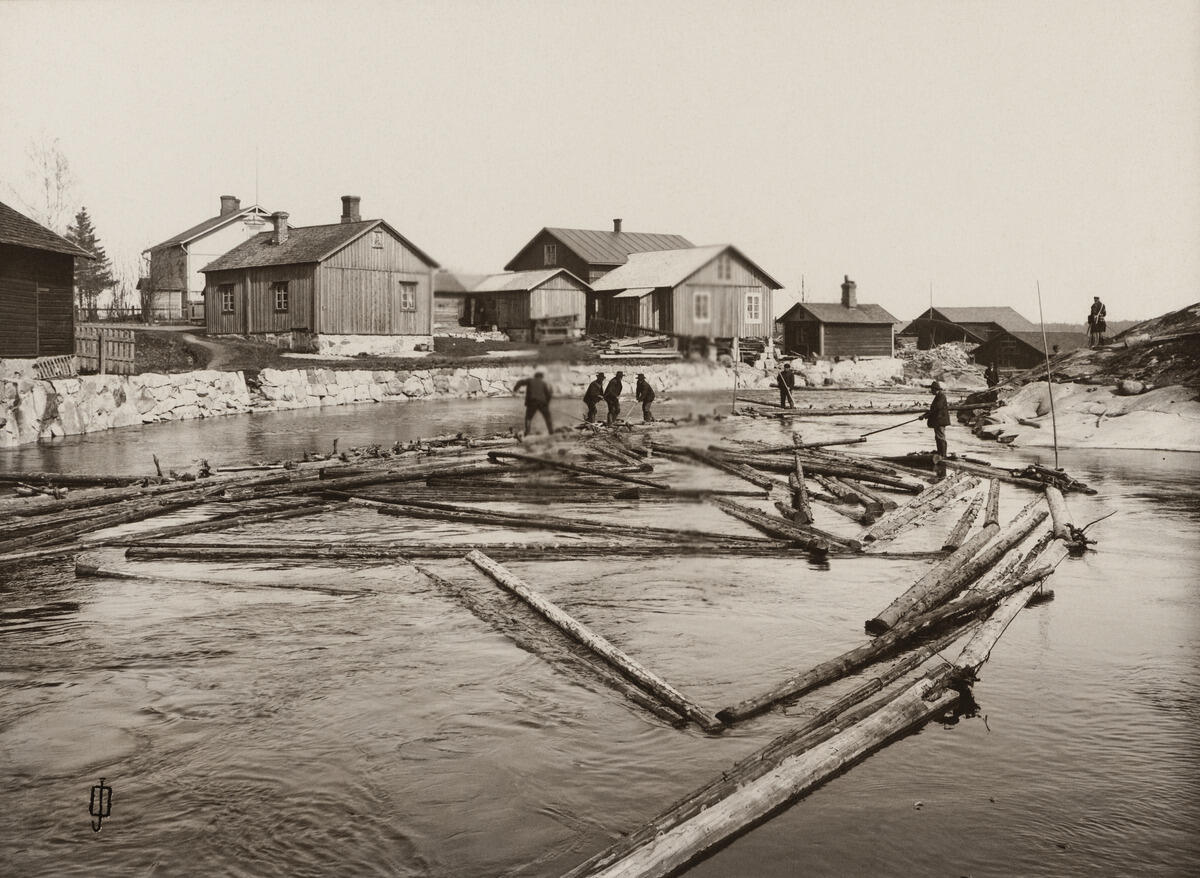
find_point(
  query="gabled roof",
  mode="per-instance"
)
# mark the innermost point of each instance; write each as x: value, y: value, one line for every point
x: 1066, y: 341
x: 304, y: 244
x: 598, y: 247
x: 836, y: 312
x: 211, y: 225
x: 1002, y: 315
x: 455, y: 281
x: 20, y: 231
x: 518, y: 281
x: 669, y: 268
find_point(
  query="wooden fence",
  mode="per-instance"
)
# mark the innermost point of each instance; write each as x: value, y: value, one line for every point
x: 62, y: 366
x: 104, y: 350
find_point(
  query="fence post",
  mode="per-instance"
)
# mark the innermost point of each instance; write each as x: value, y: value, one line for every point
x: 101, y: 338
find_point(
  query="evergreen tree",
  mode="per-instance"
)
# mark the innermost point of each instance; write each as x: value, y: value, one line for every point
x: 92, y: 276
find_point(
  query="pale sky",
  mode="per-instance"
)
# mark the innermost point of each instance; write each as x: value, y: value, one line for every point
x: 976, y: 147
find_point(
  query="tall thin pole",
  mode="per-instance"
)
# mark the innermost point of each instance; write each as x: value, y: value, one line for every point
x: 1049, y: 381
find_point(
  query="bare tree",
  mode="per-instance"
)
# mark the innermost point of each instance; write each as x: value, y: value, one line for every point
x: 48, y: 194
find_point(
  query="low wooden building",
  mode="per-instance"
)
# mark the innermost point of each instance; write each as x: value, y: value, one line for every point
x: 357, y: 286
x: 175, y: 286
x: 712, y: 292
x: 37, y: 289
x: 452, y: 301
x: 531, y: 304
x: 589, y: 254
x: 937, y: 326
x: 838, y: 329
x: 1025, y: 350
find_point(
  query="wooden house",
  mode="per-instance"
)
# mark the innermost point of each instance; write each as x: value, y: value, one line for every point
x: 839, y: 329
x: 1025, y: 350
x: 176, y: 281
x: 528, y: 304
x: 37, y: 289
x: 937, y: 326
x: 452, y: 302
x: 712, y: 292
x: 357, y: 286
x: 587, y: 253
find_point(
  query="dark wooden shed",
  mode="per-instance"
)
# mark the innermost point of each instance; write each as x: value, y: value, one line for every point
x: 1025, y: 350
x: 839, y: 329
x: 520, y: 302
x: 37, y: 288
x: 937, y: 326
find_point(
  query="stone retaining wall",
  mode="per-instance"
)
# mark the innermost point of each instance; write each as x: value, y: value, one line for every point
x: 33, y: 409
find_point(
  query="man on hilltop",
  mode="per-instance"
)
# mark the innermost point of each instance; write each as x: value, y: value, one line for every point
x: 537, y: 399
x: 1096, y: 324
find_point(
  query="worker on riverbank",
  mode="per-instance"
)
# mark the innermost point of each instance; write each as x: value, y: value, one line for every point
x: 592, y: 397
x: 645, y: 395
x: 537, y: 399
x: 992, y: 375
x: 938, y: 417
x: 612, y: 398
x: 1096, y: 323
x: 785, y: 380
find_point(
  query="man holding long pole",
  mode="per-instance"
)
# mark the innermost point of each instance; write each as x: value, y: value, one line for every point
x: 938, y: 417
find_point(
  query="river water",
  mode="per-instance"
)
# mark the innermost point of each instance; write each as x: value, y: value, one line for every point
x: 299, y: 720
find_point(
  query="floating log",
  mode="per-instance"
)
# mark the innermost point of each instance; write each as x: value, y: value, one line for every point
x: 649, y: 681
x: 952, y: 575
x: 839, y: 491
x: 298, y: 507
x: 854, y: 513
x: 813, y: 465
x: 1058, y: 512
x: 954, y: 539
x: 79, y: 480
x: 718, y: 462
x: 778, y: 528
x: 576, y: 468
x: 931, y: 499
x: 800, y: 501
x: 667, y: 853
x: 689, y: 494
x: 869, y: 496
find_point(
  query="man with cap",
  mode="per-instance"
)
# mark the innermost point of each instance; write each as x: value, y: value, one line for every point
x: 1096, y: 323
x: 785, y: 380
x: 645, y: 395
x: 537, y: 399
x: 938, y: 417
x: 592, y: 397
x: 612, y: 398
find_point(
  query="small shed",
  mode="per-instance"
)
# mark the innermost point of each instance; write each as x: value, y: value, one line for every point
x: 452, y: 301
x: 353, y: 287
x: 527, y: 304
x: 37, y: 288
x: 839, y: 329
x: 937, y: 326
x: 589, y: 254
x: 712, y: 292
x: 1025, y: 350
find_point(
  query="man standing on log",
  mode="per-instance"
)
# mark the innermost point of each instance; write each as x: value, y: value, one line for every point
x: 1096, y: 324
x: 537, y: 399
x: 785, y: 380
x: 612, y: 398
x: 938, y: 417
x: 645, y: 395
x: 592, y: 397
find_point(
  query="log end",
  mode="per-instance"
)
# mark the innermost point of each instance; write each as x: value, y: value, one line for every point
x: 876, y: 626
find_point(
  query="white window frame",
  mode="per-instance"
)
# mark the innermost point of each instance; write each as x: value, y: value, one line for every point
x: 377, y: 239
x: 550, y: 254
x: 280, y: 287
x: 408, y: 295
x: 227, y: 298
x: 754, y: 315
x: 704, y: 296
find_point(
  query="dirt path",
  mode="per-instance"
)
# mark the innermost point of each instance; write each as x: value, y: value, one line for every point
x: 219, y: 354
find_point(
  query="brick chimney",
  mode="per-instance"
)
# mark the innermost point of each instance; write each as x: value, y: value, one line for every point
x: 230, y: 204
x: 280, y: 219
x: 617, y: 224
x: 849, y: 293
x: 350, y: 212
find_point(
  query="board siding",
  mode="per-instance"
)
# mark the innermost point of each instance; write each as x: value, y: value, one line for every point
x: 360, y: 290
x: 531, y: 259
x: 33, y: 324
x: 254, y: 301
x: 558, y: 297
x: 728, y: 302
x: 857, y: 340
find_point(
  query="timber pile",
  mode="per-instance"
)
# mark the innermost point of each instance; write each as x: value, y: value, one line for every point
x: 476, y: 504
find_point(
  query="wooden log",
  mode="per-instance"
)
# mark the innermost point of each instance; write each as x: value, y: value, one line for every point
x: 687, y: 494
x: 771, y: 526
x: 991, y: 472
x: 297, y: 508
x: 854, y: 513
x: 800, y: 501
x: 666, y: 854
x: 992, y: 513
x: 962, y: 567
x: 649, y: 681
x: 1058, y: 512
x: 884, y: 503
x: 576, y: 468
x: 954, y: 539
x: 813, y: 465
x: 930, y: 500
x: 716, y: 462
x: 830, y: 484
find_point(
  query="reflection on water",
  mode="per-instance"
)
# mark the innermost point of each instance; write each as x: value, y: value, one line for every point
x: 366, y: 721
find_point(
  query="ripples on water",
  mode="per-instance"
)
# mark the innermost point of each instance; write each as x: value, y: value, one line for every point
x: 367, y: 722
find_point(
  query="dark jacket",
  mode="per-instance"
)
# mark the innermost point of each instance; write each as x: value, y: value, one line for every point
x: 613, y: 391
x: 594, y: 392
x: 537, y: 391
x: 645, y: 393
x: 786, y: 378
x: 939, y: 411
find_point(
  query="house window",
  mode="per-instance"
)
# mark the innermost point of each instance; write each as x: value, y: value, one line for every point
x: 377, y: 239
x: 279, y: 291
x: 408, y: 296
x: 550, y: 254
x: 702, y: 306
x: 754, y: 307
x: 724, y: 267
x: 226, y: 291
